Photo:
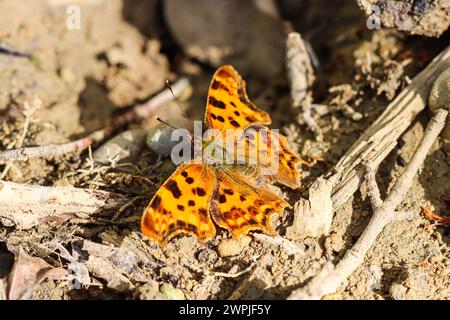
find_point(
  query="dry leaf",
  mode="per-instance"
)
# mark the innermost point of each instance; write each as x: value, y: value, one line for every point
x: 27, y: 272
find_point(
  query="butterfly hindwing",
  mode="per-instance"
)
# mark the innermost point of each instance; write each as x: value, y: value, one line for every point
x: 240, y: 205
x: 269, y: 152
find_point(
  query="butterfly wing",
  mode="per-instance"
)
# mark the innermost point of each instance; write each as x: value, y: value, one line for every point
x: 239, y: 204
x: 181, y: 205
x: 228, y: 106
x: 264, y: 147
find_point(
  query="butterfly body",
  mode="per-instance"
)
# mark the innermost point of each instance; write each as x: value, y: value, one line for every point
x: 219, y: 185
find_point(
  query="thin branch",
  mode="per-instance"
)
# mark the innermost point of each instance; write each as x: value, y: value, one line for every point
x: 330, y: 278
x: 372, y: 189
x: 138, y: 113
x: 286, y: 245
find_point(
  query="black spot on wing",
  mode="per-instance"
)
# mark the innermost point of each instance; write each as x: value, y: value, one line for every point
x: 156, y: 201
x: 201, y: 192
x: 216, y: 103
x: 247, y: 103
x: 181, y: 224
x: 215, y: 84
x: 234, y: 123
x: 189, y: 180
x: 250, y: 119
x: 172, y: 186
x: 228, y: 191
x: 222, y: 198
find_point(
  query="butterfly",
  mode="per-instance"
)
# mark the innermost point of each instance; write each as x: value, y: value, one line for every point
x: 235, y: 197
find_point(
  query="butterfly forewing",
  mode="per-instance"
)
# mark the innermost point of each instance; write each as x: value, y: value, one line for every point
x: 228, y: 106
x: 181, y: 205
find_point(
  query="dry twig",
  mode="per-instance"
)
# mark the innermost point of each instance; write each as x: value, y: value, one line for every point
x: 139, y: 112
x: 284, y: 244
x: 331, y: 277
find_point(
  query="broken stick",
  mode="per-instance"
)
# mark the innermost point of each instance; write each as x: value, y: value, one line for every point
x: 26, y: 206
x: 331, y: 277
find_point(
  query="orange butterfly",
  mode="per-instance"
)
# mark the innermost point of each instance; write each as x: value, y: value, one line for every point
x: 234, y: 196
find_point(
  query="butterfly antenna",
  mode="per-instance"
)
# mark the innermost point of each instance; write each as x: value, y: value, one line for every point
x: 190, y: 137
x: 164, y: 122
x: 169, y: 86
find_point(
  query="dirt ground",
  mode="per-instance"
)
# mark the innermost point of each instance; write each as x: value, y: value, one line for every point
x: 121, y: 56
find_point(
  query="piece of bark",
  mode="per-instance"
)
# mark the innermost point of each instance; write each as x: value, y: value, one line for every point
x: 26, y: 206
x: 299, y: 68
x: 312, y: 218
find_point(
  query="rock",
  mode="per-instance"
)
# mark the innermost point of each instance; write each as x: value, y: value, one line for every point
x: 247, y: 34
x: 171, y: 292
x: 207, y: 256
x: 159, y: 139
x: 398, y: 291
x: 123, y: 147
x: 440, y: 98
x: 233, y: 247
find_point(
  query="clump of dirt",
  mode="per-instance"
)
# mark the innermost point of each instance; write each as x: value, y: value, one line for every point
x: 424, y: 17
x: 120, y: 58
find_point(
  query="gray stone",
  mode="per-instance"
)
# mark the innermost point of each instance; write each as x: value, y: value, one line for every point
x: 124, y: 147
x: 159, y: 139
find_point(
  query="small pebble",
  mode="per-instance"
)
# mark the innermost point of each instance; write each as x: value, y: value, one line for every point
x: 171, y: 292
x: 233, y: 247
x: 398, y: 291
x: 124, y: 147
x: 207, y: 256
